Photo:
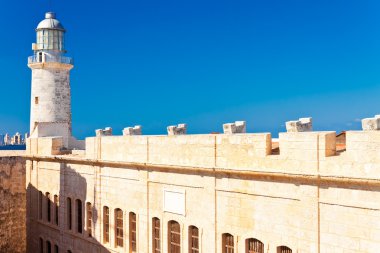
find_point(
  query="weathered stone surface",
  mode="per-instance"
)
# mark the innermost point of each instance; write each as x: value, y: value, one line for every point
x: 136, y: 130
x: 12, y: 204
x: 104, y: 132
x: 301, y: 125
x: 371, y: 124
x: 177, y: 130
x: 238, y: 127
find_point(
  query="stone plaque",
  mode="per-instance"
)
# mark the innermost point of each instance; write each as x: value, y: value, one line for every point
x: 174, y: 201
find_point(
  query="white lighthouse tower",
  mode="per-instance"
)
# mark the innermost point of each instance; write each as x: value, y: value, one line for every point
x: 50, y: 96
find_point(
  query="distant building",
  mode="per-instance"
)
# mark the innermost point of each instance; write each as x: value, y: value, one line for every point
x: 1, y: 140
x: 7, y: 139
x: 16, y: 139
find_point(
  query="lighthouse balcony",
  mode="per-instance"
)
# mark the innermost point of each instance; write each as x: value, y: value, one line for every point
x: 41, y: 58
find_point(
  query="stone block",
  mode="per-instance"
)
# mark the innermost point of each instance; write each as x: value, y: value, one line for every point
x: 104, y: 132
x: 238, y: 127
x: 301, y: 125
x: 136, y: 130
x: 177, y: 130
x: 371, y: 124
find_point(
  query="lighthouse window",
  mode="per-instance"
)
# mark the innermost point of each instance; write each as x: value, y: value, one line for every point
x: 36, y: 100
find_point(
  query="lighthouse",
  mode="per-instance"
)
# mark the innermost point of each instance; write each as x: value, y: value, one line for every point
x: 50, y: 94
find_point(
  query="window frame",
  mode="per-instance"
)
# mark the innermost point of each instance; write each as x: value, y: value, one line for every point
x: 79, y: 216
x: 119, y: 228
x: 89, y: 219
x: 228, y: 243
x: 132, y: 232
x: 106, y: 224
x: 56, y: 211
x: 174, y: 237
x: 69, y: 207
x: 193, y: 239
x: 258, y: 246
x: 156, y: 235
x: 284, y: 249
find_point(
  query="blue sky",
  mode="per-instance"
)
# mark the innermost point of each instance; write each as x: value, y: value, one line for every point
x: 202, y: 62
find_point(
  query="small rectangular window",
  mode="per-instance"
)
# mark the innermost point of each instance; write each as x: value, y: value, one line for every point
x: 89, y: 219
x: 48, y: 207
x: 156, y: 235
x: 193, y: 239
x: 56, y: 209
x: 79, y: 216
x: 227, y: 243
x: 106, y: 225
x: 36, y: 100
x: 132, y: 232
x: 40, y: 195
x: 69, y: 214
x: 119, y: 233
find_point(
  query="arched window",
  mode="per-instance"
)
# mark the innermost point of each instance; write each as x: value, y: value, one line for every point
x: 40, y: 197
x: 69, y: 214
x: 156, y: 235
x: 69, y: 251
x: 48, y: 207
x: 41, y: 244
x: 79, y: 216
x: 174, y: 237
x: 56, y: 209
x: 193, y: 239
x: 89, y: 219
x: 106, y: 224
x: 227, y: 243
x: 48, y: 247
x: 283, y: 249
x: 56, y: 249
x: 119, y: 233
x: 254, y: 246
x: 132, y: 232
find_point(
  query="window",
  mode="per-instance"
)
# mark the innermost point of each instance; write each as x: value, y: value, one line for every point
x: 36, y: 100
x: 56, y: 249
x: 156, y: 235
x: 132, y: 232
x: 69, y: 214
x: 40, y: 196
x: 227, y: 243
x: 41, y: 245
x: 79, y: 216
x: 56, y: 209
x: 69, y: 251
x: 174, y: 237
x: 48, y: 247
x: 254, y: 246
x: 39, y: 57
x: 106, y: 224
x: 119, y: 228
x: 193, y: 239
x: 283, y: 249
x: 48, y: 207
x: 89, y: 219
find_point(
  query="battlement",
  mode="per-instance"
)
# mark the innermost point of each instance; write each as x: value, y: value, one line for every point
x: 299, y: 150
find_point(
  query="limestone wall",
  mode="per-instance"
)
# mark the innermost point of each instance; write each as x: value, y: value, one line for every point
x: 307, y: 196
x: 12, y: 203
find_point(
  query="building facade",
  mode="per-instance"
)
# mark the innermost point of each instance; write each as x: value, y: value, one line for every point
x: 177, y: 193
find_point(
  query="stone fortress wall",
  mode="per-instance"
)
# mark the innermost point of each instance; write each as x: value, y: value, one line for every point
x: 12, y: 202
x: 305, y: 194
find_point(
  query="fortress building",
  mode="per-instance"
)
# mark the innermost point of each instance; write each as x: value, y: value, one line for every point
x: 234, y: 192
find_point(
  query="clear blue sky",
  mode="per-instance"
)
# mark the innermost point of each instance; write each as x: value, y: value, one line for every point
x: 201, y: 62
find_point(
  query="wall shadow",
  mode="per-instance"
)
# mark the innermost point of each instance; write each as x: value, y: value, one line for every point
x: 57, y: 215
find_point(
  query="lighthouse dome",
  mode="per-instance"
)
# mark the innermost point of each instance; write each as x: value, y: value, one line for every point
x: 50, y: 22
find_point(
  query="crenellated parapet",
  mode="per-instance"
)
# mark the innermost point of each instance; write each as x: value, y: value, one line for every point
x: 305, y: 152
